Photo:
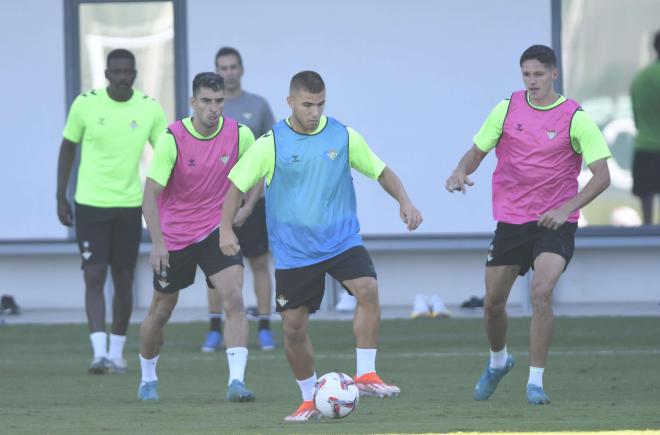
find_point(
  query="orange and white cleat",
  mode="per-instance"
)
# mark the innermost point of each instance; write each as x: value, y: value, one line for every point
x: 305, y: 412
x: 370, y: 384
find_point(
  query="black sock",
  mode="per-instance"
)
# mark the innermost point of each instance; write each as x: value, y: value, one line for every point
x: 264, y: 321
x: 215, y: 322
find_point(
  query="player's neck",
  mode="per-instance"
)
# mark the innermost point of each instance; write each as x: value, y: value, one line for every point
x: 297, y: 127
x: 202, y: 129
x: 232, y: 94
x: 545, y: 101
x: 118, y: 96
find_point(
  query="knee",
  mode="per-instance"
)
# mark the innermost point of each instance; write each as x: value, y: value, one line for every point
x: 494, y: 307
x: 123, y: 279
x: 95, y: 276
x: 294, y: 330
x: 232, y: 302
x: 161, y: 312
x: 541, y: 299
x: 366, y: 292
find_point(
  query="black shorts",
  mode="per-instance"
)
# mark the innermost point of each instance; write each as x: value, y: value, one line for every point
x: 646, y: 173
x: 183, y: 264
x: 306, y: 285
x: 253, y: 236
x: 521, y: 244
x: 108, y: 235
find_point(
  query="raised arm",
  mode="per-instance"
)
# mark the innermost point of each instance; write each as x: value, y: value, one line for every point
x: 159, y: 257
x: 467, y: 165
x: 392, y: 185
x: 64, y: 164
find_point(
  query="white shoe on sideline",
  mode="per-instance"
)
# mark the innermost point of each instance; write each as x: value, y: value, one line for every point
x: 438, y: 308
x: 421, y: 307
x: 346, y: 303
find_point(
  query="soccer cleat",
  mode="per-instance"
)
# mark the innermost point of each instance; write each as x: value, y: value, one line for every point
x: 438, y: 308
x: 213, y: 341
x: 420, y: 307
x: 370, y: 384
x: 99, y: 366
x: 236, y: 392
x: 148, y: 391
x: 536, y: 395
x: 266, y: 340
x: 118, y: 366
x: 346, y: 303
x: 490, y: 378
x: 306, y: 411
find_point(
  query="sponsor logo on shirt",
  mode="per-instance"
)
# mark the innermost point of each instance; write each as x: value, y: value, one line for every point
x: 332, y: 154
x: 224, y: 159
x: 134, y: 125
x: 552, y: 134
x: 295, y: 158
x: 101, y: 121
x: 191, y: 162
x: 519, y: 127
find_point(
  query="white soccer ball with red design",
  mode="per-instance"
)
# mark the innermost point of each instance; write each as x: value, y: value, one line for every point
x: 336, y: 395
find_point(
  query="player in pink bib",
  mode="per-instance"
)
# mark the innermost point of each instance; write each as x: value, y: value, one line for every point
x: 183, y: 198
x: 540, y: 139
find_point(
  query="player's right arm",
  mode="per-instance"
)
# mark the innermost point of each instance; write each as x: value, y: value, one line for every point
x: 72, y: 136
x: 257, y: 162
x: 484, y: 141
x: 159, y: 172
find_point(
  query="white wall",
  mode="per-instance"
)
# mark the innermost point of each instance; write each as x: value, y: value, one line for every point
x: 33, y: 115
x: 416, y: 78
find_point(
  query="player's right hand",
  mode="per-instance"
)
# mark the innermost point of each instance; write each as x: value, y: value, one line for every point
x: 458, y: 181
x: 64, y: 212
x: 229, y: 242
x: 159, y: 258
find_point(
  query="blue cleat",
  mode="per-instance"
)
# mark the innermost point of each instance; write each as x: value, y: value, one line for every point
x: 490, y: 378
x: 236, y: 392
x: 536, y: 395
x: 148, y: 391
x: 266, y: 340
x: 213, y: 341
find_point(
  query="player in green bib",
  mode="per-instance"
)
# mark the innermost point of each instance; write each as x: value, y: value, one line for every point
x: 112, y: 125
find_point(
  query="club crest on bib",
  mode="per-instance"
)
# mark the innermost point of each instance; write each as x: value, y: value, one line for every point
x: 332, y: 154
x: 224, y: 159
x: 552, y: 134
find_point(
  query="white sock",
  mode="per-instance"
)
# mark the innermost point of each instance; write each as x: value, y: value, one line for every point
x: 237, y: 360
x: 366, y: 361
x: 149, y: 368
x: 116, y: 346
x: 498, y: 359
x: 307, y: 387
x: 99, y: 344
x: 536, y: 376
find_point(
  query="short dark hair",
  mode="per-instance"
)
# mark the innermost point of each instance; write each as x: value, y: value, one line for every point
x: 542, y: 53
x: 309, y: 81
x: 120, y: 53
x: 656, y: 43
x: 227, y: 51
x: 209, y: 80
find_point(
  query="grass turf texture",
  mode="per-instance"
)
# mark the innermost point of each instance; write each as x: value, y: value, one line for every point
x: 602, y: 375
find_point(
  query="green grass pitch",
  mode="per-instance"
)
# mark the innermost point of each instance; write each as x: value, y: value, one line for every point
x: 603, y: 374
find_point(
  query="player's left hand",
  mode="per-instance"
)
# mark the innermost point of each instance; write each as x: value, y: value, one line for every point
x: 410, y: 216
x: 229, y: 242
x: 241, y: 216
x: 553, y: 219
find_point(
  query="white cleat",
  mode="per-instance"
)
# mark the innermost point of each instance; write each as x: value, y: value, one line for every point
x: 421, y: 307
x: 438, y: 308
x: 346, y: 303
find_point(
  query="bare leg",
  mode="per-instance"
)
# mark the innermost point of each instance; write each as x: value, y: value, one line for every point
x: 229, y: 282
x: 647, y: 208
x: 297, y: 345
x: 95, y: 275
x: 151, y: 331
x: 548, y: 267
x: 263, y: 287
x: 122, y: 304
x: 366, y: 320
x: 499, y: 280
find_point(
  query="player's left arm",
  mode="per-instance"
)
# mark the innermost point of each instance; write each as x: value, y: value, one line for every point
x: 158, y: 126
x: 363, y: 159
x: 586, y: 139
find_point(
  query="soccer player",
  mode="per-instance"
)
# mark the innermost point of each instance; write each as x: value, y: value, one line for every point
x: 250, y: 223
x: 645, y: 99
x: 540, y: 139
x: 182, y: 206
x: 313, y: 228
x: 112, y: 126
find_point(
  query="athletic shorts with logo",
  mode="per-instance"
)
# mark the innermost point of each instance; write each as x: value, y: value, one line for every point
x: 253, y: 235
x: 108, y: 235
x: 183, y: 264
x: 521, y: 243
x: 304, y: 286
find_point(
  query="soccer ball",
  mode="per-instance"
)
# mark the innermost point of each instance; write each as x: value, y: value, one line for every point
x: 336, y: 395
